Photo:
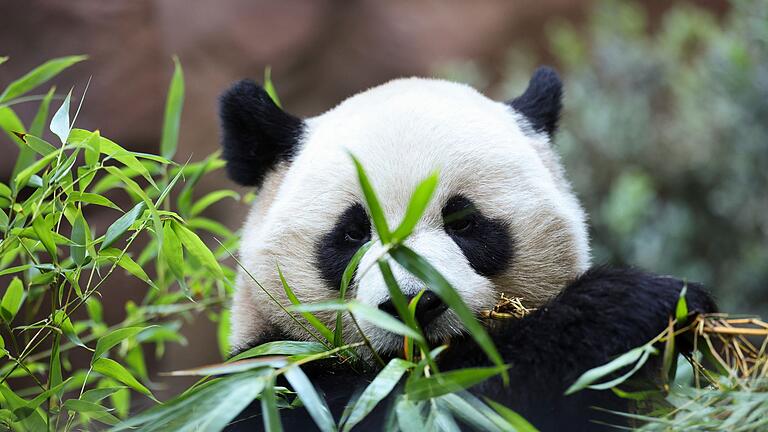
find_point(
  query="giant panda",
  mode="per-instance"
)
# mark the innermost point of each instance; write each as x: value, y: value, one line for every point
x: 521, y: 232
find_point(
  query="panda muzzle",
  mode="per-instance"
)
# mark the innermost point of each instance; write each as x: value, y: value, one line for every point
x: 429, y: 307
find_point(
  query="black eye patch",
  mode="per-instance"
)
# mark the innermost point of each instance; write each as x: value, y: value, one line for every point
x: 335, y: 249
x: 485, y: 242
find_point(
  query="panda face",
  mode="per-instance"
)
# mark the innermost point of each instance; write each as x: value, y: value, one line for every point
x: 503, y: 218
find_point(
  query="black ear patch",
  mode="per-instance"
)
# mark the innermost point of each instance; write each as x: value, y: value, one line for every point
x: 542, y: 100
x: 256, y: 133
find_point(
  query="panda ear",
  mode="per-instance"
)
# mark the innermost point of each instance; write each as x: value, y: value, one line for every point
x: 542, y: 100
x: 256, y: 133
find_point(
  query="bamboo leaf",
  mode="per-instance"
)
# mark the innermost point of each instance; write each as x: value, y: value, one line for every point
x: 41, y: 117
x: 223, y: 329
x: 346, y: 278
x: 636, y: 355
x: 269, y: 407
x: 12, y: 300
x: 516, y: 420
x: 422, y: 269
x: 681, y: 309
x: 115, y: 370
x: 377, y: 213
x: 478, y: 417
x: 33, y: 420
x: 364, y: 312
x: 121, y: 225
x: 38, y: 76
x: 282, y: 348
x: 212, y: 198
x: 11, y: 124
x: 314, y: 404
x: 396, y: 295
x: 626, y: 376
x: 113, y: 338
x: 5, y: 191
x: 92, y: 148
x: 60, y: 124
x: 40, y: 146
x: 193, y: 172
x: 92, y: 198
x: 15, y: 269
x: 130, y: 184
x: 198, y: 249
x: 32, y: 405
x: 669, y: 355
x: 449, y: 382
x: 269, y: 86
x: 136, y: 189
x: 409, y: 417
x: 209, y: 406
x: 65, y: 324
x: 406, y: 311
x: 383, y: 320
x: 83, y: 406
x: 172, y: 252
x: 228, y: 368
x: 311, y: 319
x: 63, y: 169
x: 114, y: 151
x: 44, y: 234
x: 95, y: 395
x: 128, y: 264
x: 376, y: 391
x: 22, y: 176
x: 416, y: 207
x: 92, y: 410
x: 173, y: 105
x: 228, y: 406
x: 211, y: 226
x: 55, y: 376
x: 80, y: 237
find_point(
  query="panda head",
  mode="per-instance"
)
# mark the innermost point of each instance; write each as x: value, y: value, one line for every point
x: 503, y: 218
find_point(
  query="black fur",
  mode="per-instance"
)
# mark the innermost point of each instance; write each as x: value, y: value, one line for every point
x: 485, y: 242
x: 542, y: 100
x: 336, y: 248
x: 601, y: 314
x: 256, y: 133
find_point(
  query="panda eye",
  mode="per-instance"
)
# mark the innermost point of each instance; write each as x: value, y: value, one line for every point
x: 356, y: 235
x: 460, y: 225
x: 459, y: 215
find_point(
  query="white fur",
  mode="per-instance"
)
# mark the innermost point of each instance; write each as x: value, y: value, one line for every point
x: 401, y: 132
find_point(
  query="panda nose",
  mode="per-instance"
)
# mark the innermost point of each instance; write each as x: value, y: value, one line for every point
x: 428, y: 308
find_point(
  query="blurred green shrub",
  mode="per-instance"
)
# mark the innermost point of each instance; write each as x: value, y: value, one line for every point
x: 665, y: 137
